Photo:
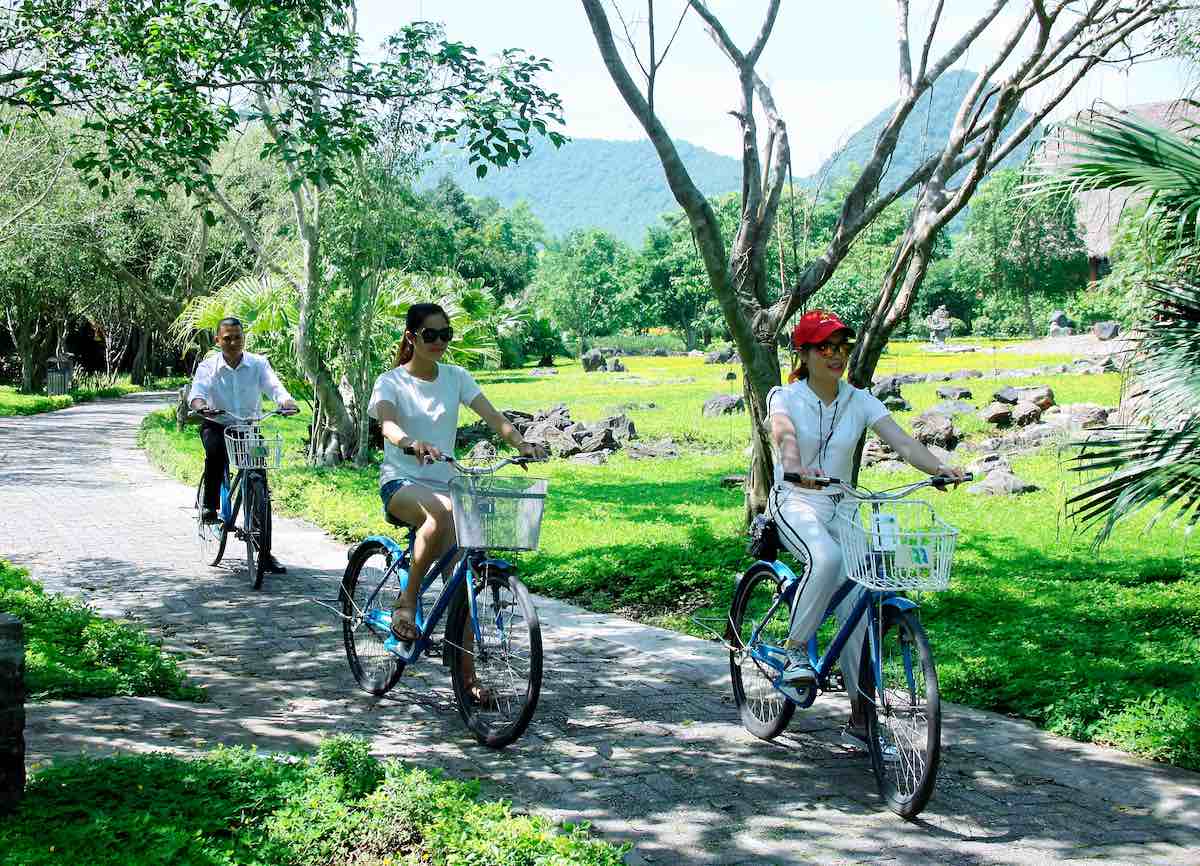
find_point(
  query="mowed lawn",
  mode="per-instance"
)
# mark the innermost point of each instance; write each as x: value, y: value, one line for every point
x: 1100, y: 645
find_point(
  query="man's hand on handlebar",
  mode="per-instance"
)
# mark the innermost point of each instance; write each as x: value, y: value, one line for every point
x: 424, y: 452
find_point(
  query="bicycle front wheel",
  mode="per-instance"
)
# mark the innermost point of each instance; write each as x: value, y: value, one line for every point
x: 904, y: 724
x: 367, y: 601
x: 251, y: 531
x: 210, y: 537
x: 498, y: 678
x: 765, y: 711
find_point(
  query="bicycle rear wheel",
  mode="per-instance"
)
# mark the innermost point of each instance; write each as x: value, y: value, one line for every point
x: 365, y: 598
x: 210, y: 537
x: 497, y: 680
x: 904, y: 725
x: 765, y: 711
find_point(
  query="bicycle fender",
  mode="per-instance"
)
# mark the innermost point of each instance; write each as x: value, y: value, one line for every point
x: 390, y: 543
x: 899, y: 602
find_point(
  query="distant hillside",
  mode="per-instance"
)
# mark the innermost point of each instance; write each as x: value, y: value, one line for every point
x: 619, y: 185
x: 925, y: 130
x: 589, y: 182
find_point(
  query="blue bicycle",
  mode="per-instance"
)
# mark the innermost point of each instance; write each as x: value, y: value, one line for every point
x: 493, y: 640
x: 888, y: 546
x: 251, y: 454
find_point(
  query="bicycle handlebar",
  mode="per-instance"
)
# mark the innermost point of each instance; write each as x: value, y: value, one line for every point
x: 239, y: 418
x: 938, y: 481
x: 479, y: 470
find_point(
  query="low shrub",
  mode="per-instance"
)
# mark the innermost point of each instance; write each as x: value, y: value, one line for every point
x: 233, y: 806
x: 70, y: 652
x: 635, y: 344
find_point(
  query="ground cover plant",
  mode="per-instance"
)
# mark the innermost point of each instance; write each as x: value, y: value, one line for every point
x: 233, y: 806
x: 1099, y: 645
x: 13, y: 402
x: 70, y: 652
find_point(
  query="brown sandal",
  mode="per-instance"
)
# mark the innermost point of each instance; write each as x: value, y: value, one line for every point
x: 404, y: 628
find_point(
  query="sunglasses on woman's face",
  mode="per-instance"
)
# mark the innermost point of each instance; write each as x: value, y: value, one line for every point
x: 430, y: 335
x: 828, y: 350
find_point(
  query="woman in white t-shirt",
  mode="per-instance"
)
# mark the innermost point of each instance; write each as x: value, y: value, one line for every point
x: 816, y: 422
x: 416, y: 402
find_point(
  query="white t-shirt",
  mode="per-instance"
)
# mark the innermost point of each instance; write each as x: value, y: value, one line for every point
x: 827, y: 434
x: 427, y: 411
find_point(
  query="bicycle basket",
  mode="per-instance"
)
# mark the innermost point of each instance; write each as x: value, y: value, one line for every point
x: 248, y: 448
x: 895, y: 545
x: 498, y: 513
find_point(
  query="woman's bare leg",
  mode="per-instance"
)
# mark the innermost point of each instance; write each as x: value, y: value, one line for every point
x: 429, y: 512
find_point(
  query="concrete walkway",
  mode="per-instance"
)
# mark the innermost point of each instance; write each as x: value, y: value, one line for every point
x: 636, y: 731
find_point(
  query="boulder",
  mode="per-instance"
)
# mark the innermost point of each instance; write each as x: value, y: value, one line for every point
x: 1041, y: 395
x: 1056, y: 331
x: 964, y: 374
x: 622, y: 427
x: 950, y: 408
x: 722, y: 356
x: 1086, y: 416
x: 1002, y: 482
x: 931, y: 428
x: 593, y: 361
x: 953, y: 392
x: 1026, y: 413
x: 560, y: 443
x: 615, y: 366
x: 876, y: 451
x: 651, y: 451
x: 987, y: 463
x: 997, y: 413
x: 731, y: 376
x: 896, y: 403
x: 723, y: 404
x: 593, y: 458
x: 1008, y: 395
x: 888, y: 386
x: 1106, y: 330
x: 597, y: 439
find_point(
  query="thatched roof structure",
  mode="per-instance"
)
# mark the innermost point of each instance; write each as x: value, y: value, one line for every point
x: 1098, y: 211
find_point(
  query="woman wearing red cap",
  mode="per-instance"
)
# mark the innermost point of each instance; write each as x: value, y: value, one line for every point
x: 816, y: 423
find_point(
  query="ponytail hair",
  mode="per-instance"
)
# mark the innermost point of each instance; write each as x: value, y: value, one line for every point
x: 800, y: 371
x: 416, y: 316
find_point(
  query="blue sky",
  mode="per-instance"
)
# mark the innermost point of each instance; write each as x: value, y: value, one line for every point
x: 830, y: 63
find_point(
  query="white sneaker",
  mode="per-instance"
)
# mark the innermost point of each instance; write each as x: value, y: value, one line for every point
x: 857, y: 742
x: 799, y: 670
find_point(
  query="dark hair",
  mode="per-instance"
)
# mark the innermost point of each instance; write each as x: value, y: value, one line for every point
x: 231, y: 321
x: 417, y: 314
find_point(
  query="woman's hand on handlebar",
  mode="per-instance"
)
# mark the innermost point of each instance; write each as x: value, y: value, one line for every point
x: 533, y: 452
x: 955, y: 475
x: 424, y: 452
x: 808, y: 478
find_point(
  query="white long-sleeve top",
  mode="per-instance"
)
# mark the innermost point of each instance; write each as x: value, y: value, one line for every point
x: 237, y: 389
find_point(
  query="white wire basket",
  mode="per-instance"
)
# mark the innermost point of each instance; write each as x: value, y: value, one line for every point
x: 498, y: 512
x: 895, y: 546
x: 248, y: 448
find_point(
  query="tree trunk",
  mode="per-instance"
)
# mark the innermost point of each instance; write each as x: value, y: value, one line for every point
x: 1029, y: 323
x: 141, y: 359
x: 759, y: 375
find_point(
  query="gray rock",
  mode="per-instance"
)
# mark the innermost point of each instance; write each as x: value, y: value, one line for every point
x: 964, y: 374
x: 731, y: 376
x: 876, y: 451
x: 1056, y: 331
x: 1002, y: 482
x: 954, y: 392
x: 622, y: 426
x: 896, y: 403
x: 1060, y: 319
x: 1026, y: 413
x: 1087, y: 416
x: 950, y: 408
x: 723, y: 404
x: 650, y: 451
x: 931, y: 428
x: 660, y: 353
x: 615, y: 366
x: 560, y: 443
x: 1041, y: 395
x: 888, y: 386
x: 1106, y: 330
x: 598, y: 439
x: 593, y: 361
x: 722, y: 356
x: 593, y: 458
x: 997, y: 413
x: 543, y: 371
x: 1007, y: 395
x: 987, y: 463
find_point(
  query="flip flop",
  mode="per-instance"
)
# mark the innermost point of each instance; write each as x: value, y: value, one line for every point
x: 404, y: 624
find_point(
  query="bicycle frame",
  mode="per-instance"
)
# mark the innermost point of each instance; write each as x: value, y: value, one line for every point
x: 869, y: 604
x: 427, y: 624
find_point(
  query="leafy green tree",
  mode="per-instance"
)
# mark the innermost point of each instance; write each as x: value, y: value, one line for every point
x: 1021, y: 253
x: 587, y: 284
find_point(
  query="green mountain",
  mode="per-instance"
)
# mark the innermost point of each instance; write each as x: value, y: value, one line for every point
x: 619, y: 185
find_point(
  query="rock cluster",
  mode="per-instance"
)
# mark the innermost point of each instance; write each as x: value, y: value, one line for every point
x: 554, y: 429
x: 723, y: 404
x: 601, y: 360
x: 722, y: 356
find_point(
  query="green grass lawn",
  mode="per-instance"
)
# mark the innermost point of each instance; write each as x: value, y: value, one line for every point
x: 235, y: 807
x: 13, y: 402
x: 1098, y: 645
x: 72, y: 653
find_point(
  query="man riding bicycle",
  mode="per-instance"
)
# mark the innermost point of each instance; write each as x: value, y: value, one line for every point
x: 232, y: 382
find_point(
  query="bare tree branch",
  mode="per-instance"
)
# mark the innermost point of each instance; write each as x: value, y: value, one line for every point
x: 906, y: 78
x: 937, y: 17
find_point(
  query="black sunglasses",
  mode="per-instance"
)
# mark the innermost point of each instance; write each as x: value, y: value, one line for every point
x: 429, y: 335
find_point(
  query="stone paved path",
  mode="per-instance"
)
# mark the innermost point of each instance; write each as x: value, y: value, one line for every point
x: 635, y: 732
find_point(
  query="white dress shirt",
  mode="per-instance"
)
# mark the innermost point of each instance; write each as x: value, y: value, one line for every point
x: 237, y: 389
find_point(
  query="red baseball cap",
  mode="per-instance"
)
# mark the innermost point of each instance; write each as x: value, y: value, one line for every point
x: 817, y: 326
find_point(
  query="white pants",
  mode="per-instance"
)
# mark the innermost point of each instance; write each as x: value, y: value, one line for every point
x: 805, y: 522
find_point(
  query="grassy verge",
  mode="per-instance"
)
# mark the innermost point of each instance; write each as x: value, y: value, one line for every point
x: 1098, y: 645
x: 72, y: 653
x: 232, y: 806
x: 12, y: 402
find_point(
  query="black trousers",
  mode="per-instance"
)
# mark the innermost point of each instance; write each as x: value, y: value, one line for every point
x: 216, y: 462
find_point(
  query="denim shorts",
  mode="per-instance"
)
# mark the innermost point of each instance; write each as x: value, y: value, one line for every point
x: 388, y: 490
